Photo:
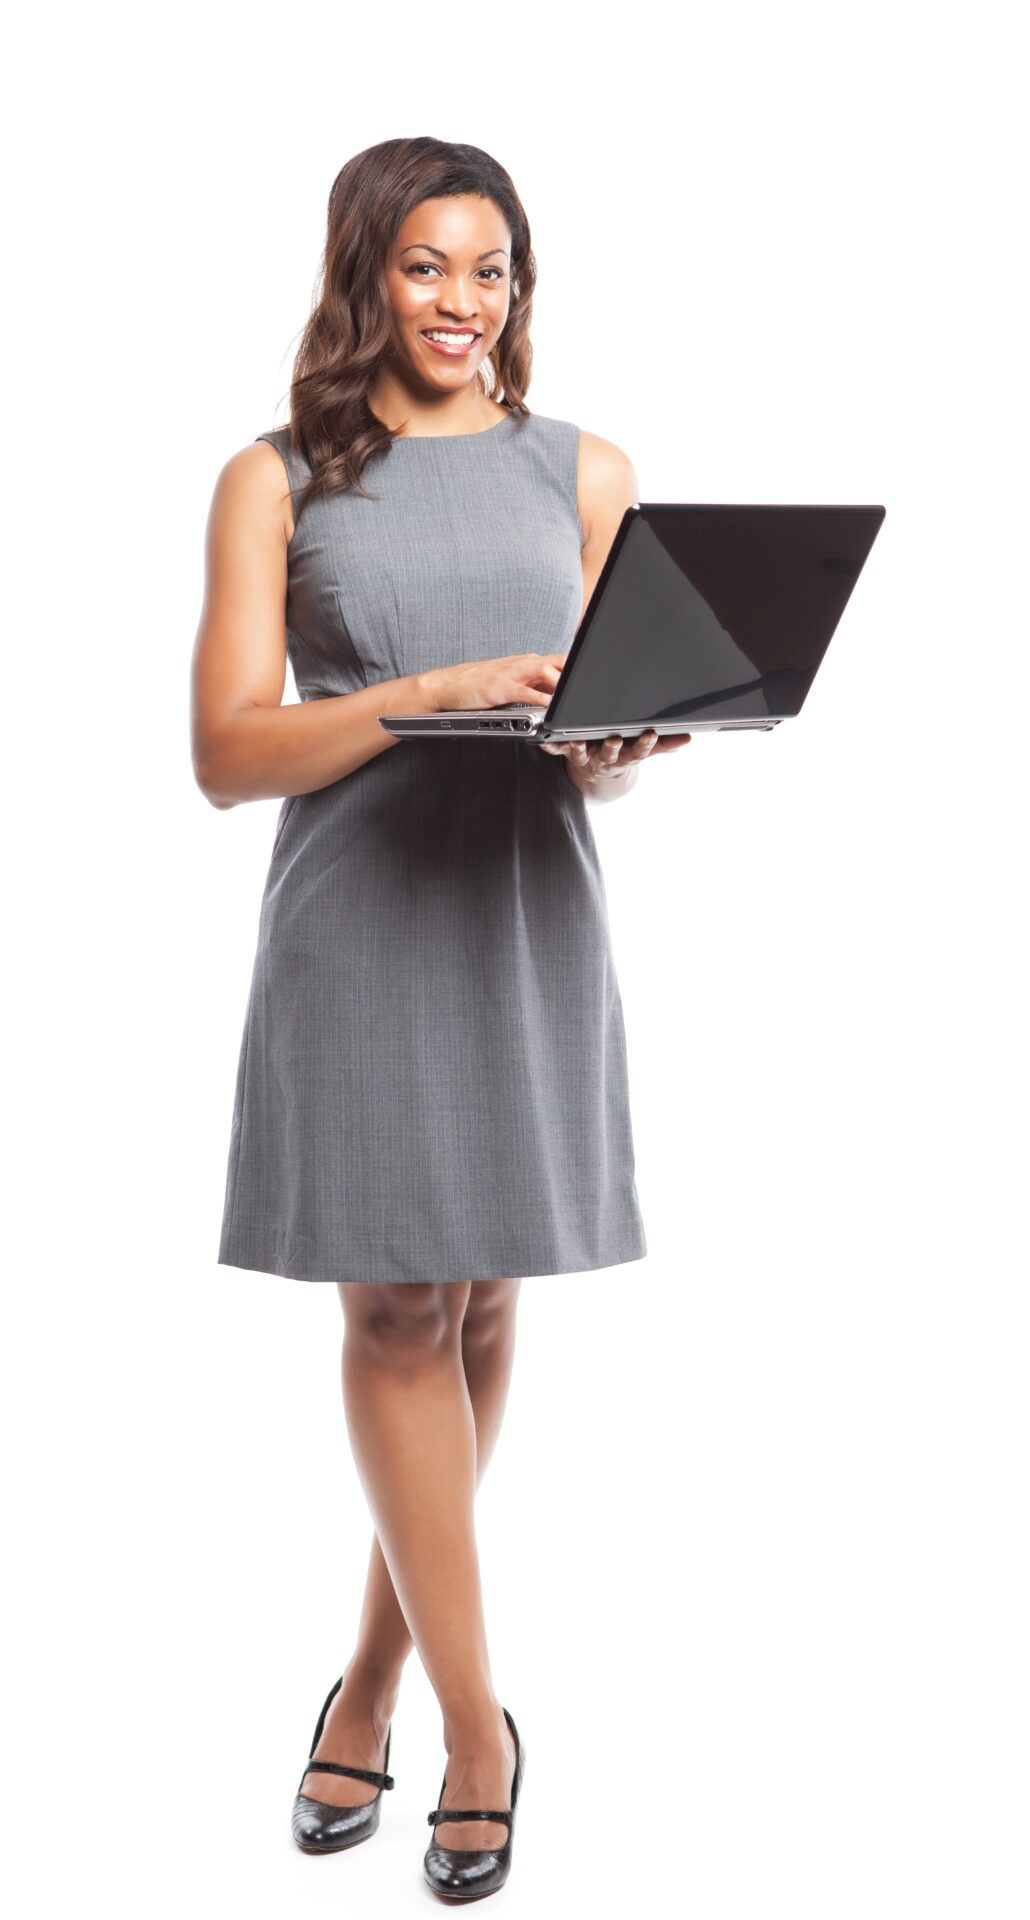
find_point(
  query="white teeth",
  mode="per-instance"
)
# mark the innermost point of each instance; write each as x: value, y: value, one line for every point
x: 451, y: 339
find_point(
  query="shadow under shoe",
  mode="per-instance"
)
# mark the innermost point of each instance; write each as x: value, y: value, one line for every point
x: 465, y: 1873
x: 320, y: 1827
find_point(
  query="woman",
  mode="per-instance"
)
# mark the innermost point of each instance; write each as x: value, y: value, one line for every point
x: 431, y: 1099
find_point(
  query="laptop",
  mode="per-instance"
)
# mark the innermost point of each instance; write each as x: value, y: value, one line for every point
x: 703, y: 617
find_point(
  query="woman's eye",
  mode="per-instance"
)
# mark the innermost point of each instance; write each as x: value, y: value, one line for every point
x: 420, y: 264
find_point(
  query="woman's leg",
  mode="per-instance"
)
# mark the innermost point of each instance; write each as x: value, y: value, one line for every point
x: 420, y: 1357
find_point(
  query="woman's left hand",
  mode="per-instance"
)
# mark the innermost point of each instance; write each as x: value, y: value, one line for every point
x: 609, y: 758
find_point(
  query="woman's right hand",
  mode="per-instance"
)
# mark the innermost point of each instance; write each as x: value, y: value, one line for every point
x: 512, y: 680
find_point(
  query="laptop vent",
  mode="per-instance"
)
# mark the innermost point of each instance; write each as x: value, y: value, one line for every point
x: 740, y: 726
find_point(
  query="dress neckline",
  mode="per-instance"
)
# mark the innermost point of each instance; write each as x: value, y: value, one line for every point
x: 440, y: 439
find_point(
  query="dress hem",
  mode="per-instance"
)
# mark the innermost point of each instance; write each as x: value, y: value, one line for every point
x: 283, y: 1270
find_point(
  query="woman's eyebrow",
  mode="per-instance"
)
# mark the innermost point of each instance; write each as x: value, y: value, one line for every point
x: 441, y: 255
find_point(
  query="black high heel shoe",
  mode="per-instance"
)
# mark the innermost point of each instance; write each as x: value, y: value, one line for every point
x: 318, y: 1826
x: 463, y: 1873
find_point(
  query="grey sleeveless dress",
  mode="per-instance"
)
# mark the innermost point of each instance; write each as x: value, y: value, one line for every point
x: 432, y: 1081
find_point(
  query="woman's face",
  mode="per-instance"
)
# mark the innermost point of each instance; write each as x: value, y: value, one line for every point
x: 448, y: 272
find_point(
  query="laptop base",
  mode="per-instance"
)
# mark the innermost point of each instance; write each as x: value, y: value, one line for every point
x: 493, y: 723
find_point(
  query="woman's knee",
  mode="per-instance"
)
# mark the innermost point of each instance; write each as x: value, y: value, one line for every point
x: 404, y: 1322
x: 490, y: 1313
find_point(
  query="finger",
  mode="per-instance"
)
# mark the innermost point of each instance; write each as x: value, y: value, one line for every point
x: 619, y: 751
x: 602, y: 754
x: 641, y: 747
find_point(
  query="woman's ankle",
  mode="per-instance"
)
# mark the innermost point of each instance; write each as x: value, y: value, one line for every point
x: 471, y: 1725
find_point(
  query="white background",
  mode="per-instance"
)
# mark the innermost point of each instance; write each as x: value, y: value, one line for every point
x: 754, y: 1539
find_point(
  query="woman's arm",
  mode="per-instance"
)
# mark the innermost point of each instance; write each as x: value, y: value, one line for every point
x: 606, y: 486
x: 245, y: 744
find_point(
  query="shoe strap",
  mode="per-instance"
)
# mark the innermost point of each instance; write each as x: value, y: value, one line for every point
x: 353, y: 1773
x: 440, y: 1814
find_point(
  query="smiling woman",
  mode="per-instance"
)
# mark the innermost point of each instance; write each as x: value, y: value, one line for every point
x: 454, y: 258
x: 456, y: 340
x: 432, y: 1097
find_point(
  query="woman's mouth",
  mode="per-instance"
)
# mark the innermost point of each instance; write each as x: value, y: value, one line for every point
x: 450, y: 339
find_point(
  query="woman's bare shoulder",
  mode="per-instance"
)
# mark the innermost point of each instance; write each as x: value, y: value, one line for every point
x: 255, y: 479
x: 606, y: 484
x: 601, y: 454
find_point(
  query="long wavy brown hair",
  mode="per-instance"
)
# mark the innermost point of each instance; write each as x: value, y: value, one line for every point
x: 331, y: 422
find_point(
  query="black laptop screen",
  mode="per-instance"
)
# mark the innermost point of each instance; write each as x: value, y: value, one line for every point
x: 713, y: 610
